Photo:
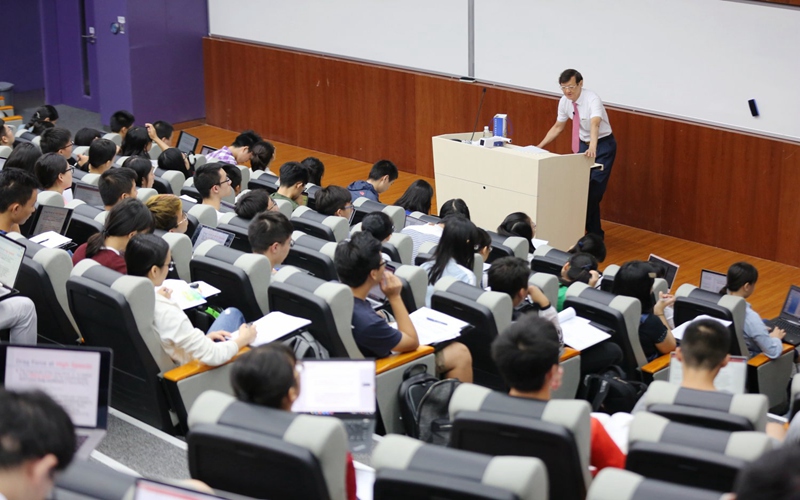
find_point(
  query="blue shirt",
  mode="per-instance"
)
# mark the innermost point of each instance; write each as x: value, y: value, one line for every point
x: 373, y: 335
x: 364, y: 189
x: 756, y: 336
x: 452, y: 269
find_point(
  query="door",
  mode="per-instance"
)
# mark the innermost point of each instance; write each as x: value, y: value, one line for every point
x: 77, y: 55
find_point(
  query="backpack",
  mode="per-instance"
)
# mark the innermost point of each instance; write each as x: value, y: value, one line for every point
x: 609, y: 392
x: 433, y: 415
x: 305, y: 346
x: 416, y: 381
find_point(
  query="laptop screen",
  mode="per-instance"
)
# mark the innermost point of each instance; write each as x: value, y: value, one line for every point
x: 730, y: 378
x: 187, y: 143
x: 88, y: 194
x: 11, y: 255
x: 413, y: 221
x: 205, y: 150
x: 331, y: 386
x: 204, y: 233
x: 671, y: 268
x: 2, y: 162
x: 50, y: 218
x: 79, y: 379
x: 712, y: 281
x: 792, y: 305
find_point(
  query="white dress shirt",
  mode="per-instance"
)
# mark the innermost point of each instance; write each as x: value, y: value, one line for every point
x: 589, y: 106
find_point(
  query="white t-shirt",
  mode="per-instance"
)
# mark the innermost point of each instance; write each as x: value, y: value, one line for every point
x: 452, y: 269
x: 589, y: 106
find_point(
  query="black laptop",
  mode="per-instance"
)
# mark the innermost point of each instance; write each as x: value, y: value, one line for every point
x: 49, y: 218
x: 11, y: 256
x: 203, y: 233
x: 187, y: 143
x: 207, y: 150
x: 88, y: 194
x: 789, y: 320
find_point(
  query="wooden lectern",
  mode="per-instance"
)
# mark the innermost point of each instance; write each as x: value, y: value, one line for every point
x: 552, y: 189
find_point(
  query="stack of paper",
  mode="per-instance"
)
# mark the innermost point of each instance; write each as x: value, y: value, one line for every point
x: 434, y: 327
x: 275, y: 326
x: 577, y: 331
x: 679, y: 330
x: 50, y: 239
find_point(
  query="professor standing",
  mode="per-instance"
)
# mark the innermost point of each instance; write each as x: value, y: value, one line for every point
x: 591, y: 135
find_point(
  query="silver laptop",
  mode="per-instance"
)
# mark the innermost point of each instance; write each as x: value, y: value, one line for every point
x: 342, y: 388
x: 670, y: 267
x: 731, y: 377
x: 712, y: 281
x: 11, y: 255
x: 78, y: 378
x: 88, y: 194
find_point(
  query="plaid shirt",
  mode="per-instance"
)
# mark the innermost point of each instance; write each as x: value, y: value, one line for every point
x: 223, y: 155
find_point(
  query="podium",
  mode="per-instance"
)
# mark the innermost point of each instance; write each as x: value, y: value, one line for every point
x: 552, y: 189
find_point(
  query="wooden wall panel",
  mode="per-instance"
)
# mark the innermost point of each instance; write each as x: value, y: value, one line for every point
x: 713, y: 186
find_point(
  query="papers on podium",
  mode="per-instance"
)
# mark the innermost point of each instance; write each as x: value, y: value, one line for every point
x: 187, y: 296
x: 577, y: 331
x: 434, y: 327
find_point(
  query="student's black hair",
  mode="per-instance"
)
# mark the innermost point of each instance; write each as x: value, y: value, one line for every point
x: 417, y: 197
x: 332, y: 198
x: 316, y: 169
x: 293, y: 172
x: 54, y: 139
x: 141, y: 166
x: 48, y: 167
x: 115, y: 182
x: 517, y: 224
x: 591, y: 244
x: 580, y: 265
x: 705, y: 344
x: 2, y: 127
x: 509, y: 275
x: 525, y: 352
x: 16, y: 186
x: 482, y: 239
x: 264, y: 375
x: 356, y: 258
x: 457, y: 243
x: 101, y: 151
x: 143, y: 252
x: 774, y: 475
x: 39, y: 128
x: 454, y: 206
x: 262, y: 153
x: 739, y: 274
x: 127, y: 216
x: 248, y: 138
x: 206, y: 177
x: 381, y: 168
x: 635, y: 279
x: 85, y: 136
x: 121, y: 119
x: 32, y: 426
x: 172, y: 159
x: 135, y: 143
x: 42, y: 113
x: 567, y: 75
x: 234, y: 174
x: 23, y: 157
x: 268, y: 228
x: 378, y: 224
x: 252, y: 203
x: 164, y: 129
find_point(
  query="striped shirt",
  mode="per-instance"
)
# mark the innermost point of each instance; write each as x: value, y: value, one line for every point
x: 222, y: 155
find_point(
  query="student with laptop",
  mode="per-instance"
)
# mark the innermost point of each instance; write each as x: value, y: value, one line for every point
x: 270, y: 234
x: 360, y: 266
x: 115, y: 185
x: 101, y: 155
x: 334, y: 200
x: 213, y: 184
x: 268, y: 376
x: 237, y: 153
x: 381, y: 177
x: 17, y: 199
x: 293, y: 178
x: 168, y: 214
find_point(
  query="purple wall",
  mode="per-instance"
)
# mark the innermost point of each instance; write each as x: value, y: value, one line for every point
x: 113, y: 59
x: 20, y: 57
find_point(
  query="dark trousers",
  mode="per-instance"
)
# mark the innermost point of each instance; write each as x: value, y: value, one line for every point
x: 599, y: 357
x: 606, y: 152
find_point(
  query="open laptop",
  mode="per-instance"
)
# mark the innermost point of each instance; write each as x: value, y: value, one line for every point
x: 731, y: 378
x: 206, y: 150
x: 78, y: 378
x: 789, y: 319
x: 2, y: 162
x: 413, y: 221
x: 11, y: 255
x: 48, y: 218
x: 671, y: 268
x: 712, y: 281
x: 203, y: 233
x: 88, y: 194
x: 342, y: 388
x: 187, y: 143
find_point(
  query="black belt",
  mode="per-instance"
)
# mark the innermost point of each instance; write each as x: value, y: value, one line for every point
x: 602, y: 139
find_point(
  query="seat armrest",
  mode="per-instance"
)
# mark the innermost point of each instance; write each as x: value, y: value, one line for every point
x: 569, y: 353
x: 195, y: 368
x: 761, y: 359
x: 657, y: 364
x: 395, y: 360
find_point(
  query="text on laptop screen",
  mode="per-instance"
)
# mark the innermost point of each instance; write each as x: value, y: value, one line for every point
x: 51, y: 219
x: 204, y: 233
x: 331, y: 386
x: 88, y: 194
x: 11, y: 255
x: 712, y: 281
x: 70, y: 377
x: 187, y: 143
x: 671, y: 268
x: 205, y: 150
x: 792, y: 305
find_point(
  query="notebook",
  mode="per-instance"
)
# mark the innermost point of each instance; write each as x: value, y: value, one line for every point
x: 730, y: 378
x: 342, y: 388
x: 187, y: 143
x: 671, y: 269
x: 88, y: 194
x: 203, y: 233
x: 205, y: 150
x: 789, y: 319
x: 77, y: 378
x: 712, y: 281
x: 48, y: 218
x: 11, y: 255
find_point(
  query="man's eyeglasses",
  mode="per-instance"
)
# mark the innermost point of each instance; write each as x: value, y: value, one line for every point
x: 226, y: 181
x: 69, y: 169
x: 184, y: 218
x: 568, y: 87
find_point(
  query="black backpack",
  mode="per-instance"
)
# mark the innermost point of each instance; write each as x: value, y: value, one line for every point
x: 305, y: 346
x: 609, y: 392
x: 416, y: 382
x: 433, y: 414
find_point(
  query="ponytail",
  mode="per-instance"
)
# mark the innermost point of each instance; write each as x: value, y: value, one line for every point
x: 580, y: 267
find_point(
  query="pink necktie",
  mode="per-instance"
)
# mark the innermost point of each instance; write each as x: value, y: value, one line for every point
x: 576, y: 129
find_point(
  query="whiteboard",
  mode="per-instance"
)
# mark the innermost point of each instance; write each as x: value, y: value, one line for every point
x: 700, y: 60
x: 428, y: 35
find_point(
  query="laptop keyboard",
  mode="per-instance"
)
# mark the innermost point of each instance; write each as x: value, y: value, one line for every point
x: 792, y: 331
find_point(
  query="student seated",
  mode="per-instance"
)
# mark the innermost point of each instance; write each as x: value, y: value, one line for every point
x: 359, y: 265
x: 591, y: 244
x: 213, y: 184
x: 163, y: 131
x: 57, y: 140
x: 253, y: 203
x: 381, y: 177
x: 581, y: 267
x: 334, y: 200
x: 54, y: 173
x: 483, y: 243
x: 379, y: 225
x: 115, y: 185
x: 168, y: 214
x: 742, y: 278
x: 237, y: 153
x: 454, y: 255
x: 417, y: 198
x: 235, y: 175
x: 510, y: 275
x: 6, y: 134
x: 145, y: 177
x: 518, y: 224
x: 635, y: 279
x: 37, y: 440
x: 23, y: 157
x: 774, y: 475
x: 86, y: 136
x: 268, y: 376
x: 127, y: 219
x: 527, y: 356
x: 136, y: 142
x: 262, y: 154
x: 316, y: 169
x: 43, y: 114
x: 101, y: 156
x: 454, y: 206
x: 120, y: 122
x: 433, y: 232
x: 270, y: 234
x: 173, y: 159
x: 293, y: 179
x: 149, y: 256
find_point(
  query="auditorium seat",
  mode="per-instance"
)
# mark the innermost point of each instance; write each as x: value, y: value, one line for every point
x: 114, y: 137
x: 86, y: 221
x: 144, y: 194
x: 91, y: 179
x: 155, y: 151
x: 180, y: 246
x: 87, y: 479
x: 50, y: 198
x: 408, y: 468
x: 547, y: 283
x: 205, y: 214
x: 794, y: 397
x: 241, y: 240
x: 327, y: 227
x: 547, y: 259
x: 314, y: 255
x: 260, y: 179
x: 507, y: 246
x: 364, y: 206
x: 399, y: 248
x: 425, y: 217
x: 619, y: 484
x: 246, y: 173
x: 5, y: 151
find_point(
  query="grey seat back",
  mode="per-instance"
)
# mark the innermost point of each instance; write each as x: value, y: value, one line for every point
x: 619, y: 484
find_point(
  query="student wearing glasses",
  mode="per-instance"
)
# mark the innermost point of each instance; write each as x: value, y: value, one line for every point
x: 168, y: 213
x: 253, y: 203
x: 270, y: 234
x: 334, y: 200
x: 54, y: 173
x: 213, y: 184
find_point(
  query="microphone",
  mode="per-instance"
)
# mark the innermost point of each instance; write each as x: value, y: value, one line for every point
x: 478, y: 115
